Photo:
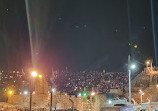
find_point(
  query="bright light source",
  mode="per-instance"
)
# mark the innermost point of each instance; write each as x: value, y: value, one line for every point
x: 53, y: 90
x: 84, y: 94
x: 148, y: 62
x: 40, y: 76
x: 79, y: 95
x: 25, y: 92
x: 157, y: 85
x: 135, y: 46
x: 141, y: 92
x: 33, y: 92
x: 10, y: 92
x: 133, y: 66
x: 109, y: 101
x: 34, y: 74
x: 92, y: 93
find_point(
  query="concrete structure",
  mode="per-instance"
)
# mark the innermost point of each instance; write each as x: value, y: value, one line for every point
x: 41, y: 99
x: 146, y: 81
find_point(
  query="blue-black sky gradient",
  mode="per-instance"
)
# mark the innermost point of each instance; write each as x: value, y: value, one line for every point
x: 79, y: 34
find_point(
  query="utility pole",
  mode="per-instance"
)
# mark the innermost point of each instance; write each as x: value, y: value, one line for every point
x: 129, y: 72
x: 30, y: 95
x: 51, y: 95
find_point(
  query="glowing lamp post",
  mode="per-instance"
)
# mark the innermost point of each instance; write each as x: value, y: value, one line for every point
x: 53, y: 90
x: 133, y: 66
x: 33, y: 74
x: 130, y: 66
x: 51, y: 96
x: 141, y: 95
x: 91, y: 99
x: 147, y: 63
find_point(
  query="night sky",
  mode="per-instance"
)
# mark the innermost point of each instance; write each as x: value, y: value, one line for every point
x: 78, y: 34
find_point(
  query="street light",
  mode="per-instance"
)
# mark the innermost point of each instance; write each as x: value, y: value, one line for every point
x: 133, y: 66
x: 25, y: 92
x: 130, y: 66
x: 92, y: 93
x: 79, y: 95
x: 141, y: 95
x: 33, y: 74
x: 109, y: 102
x: 52, y: 91
x: 40, y: 76
x: 147, y: 62
x: 10, y: 92
x: 91, y: 98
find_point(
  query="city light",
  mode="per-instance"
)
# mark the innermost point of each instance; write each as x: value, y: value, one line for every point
x: 84, y: 94
x: 148, y: 62
x: 34, y: 74
x: 10, y: 92
x: 135, y: 46
x: 92, y: 93
x: 133, y: 66
x: 25, y: 92
x: 40, y: 76
x: 109, y: 102
x: 33, y: 92
x: 79, y: 95
x: 53, y: 90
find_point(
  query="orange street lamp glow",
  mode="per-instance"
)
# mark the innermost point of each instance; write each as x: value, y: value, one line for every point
x: 34, y: 74
x: 40, y: 76
x: 10, y: 92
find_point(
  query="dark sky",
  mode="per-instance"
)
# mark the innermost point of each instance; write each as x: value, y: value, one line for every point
x: 79, y: 34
